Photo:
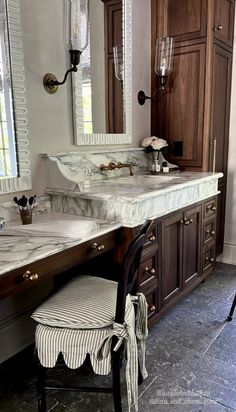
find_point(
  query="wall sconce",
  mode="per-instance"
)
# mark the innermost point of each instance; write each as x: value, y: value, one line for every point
x: 163, y: 65
x: 76, y: 16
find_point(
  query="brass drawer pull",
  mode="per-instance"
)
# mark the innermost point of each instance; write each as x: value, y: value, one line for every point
x: 219, y: 27
x: 151, y: 238
x: 191, y: 220
x: 152, y: 308
x: 30, y: 276
x: 211, y: 209
x: 210, y: 232
x: 150, y: 270
x: 212, y: 260
x: 98, y: 247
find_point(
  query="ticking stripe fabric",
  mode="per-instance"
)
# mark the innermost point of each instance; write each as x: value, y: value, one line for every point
x: 80, y: 319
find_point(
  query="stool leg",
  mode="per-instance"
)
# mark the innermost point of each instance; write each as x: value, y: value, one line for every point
x: 140, y: 375
x: 41, y: 388
x: 116, y: 382
x: 230, y: 317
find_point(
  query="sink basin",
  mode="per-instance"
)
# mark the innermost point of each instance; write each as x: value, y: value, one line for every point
x: 140, y: 180
x: 129, y: 184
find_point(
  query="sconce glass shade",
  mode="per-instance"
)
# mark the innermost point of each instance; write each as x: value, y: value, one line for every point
x: 164, y: 56
x: 118, y: 65
x: 76, y: 18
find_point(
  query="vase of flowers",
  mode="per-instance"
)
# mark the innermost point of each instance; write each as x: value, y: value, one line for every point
x: 154, y: 145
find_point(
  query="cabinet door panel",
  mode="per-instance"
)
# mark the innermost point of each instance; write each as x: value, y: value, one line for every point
x: 224, y: 21
x: 172, y: 239
x: 192, y: 245
x: 183, y: 106
x: 186, y: 19
x: 222, y: 65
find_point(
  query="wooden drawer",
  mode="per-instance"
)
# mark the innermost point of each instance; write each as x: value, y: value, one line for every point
x: 148, y: 271
x: 152, y: 303
x: 16, y: 281
x: 208, y: 259
x: 209, y: 231
x: 209, y: 208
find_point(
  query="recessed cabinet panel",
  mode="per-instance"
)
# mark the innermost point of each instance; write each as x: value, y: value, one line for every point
x: 220, y: 108
x: 224, y: 21
x: 192, y: 245
x: 172, y: 240
x: 183, y: 106
x: 186, y: 21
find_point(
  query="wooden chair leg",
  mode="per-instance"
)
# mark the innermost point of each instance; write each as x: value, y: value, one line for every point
x: 41, y: 388
x: 140, y: 376
x: 116, y: 382
x: 230, y: 317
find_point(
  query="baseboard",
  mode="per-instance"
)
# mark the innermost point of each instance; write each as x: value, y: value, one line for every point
x: 229, y: 254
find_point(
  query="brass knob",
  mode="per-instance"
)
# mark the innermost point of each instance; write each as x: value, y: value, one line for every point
x: 150, y: 270
x: 30, y: 276
x: 152, y: 308
x: 151, y: 238
x: 98, y: 247
x: 213, y: 233
x: 219, y: 27
x: 212, y: 260
x: 187, y: 223
x: 191, y: 220
x: 213, y: 208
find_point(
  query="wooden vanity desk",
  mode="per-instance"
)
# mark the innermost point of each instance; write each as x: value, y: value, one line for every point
x: 27, y: 276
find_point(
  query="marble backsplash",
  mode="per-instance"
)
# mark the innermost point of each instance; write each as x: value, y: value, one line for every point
x: 67, y: 170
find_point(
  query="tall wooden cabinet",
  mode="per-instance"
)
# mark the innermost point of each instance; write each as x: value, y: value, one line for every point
x: 193, y: 112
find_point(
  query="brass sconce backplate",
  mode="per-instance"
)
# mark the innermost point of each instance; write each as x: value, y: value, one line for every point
x: 50, y: 88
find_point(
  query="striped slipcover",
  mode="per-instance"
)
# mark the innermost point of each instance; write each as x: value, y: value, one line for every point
x: 80, y: 319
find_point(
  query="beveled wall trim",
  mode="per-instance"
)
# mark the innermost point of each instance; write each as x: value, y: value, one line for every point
x: 23, y: 181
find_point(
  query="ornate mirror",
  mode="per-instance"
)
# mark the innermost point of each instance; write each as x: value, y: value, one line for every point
x: 14, y: 145
x: 102, y: 87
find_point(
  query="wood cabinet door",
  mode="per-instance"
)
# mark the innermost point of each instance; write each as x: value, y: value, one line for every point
x: 220, y: 218
x: 222, y: 67
x: 171, y: 244
x: 178, y: 113
x: 224, y: 21
x: 192, y: 245
x: 185, y: 19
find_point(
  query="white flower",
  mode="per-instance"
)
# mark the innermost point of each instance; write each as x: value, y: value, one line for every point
x: 155, y: 142
x: 158, y: 144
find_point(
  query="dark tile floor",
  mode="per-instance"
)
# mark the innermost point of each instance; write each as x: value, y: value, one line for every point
x: 191, y: 359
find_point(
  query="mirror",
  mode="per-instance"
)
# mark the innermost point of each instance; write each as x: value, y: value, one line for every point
x: 102, y: 87
x: 14, y: 145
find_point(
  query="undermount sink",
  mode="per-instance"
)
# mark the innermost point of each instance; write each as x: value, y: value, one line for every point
x: 145, y: 179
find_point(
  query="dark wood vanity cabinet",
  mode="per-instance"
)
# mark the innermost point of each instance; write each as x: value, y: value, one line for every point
x: 181, y: 251
x: 178, y: 255
x: 192, y: 114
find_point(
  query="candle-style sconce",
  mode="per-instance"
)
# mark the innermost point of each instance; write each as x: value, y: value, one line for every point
x: 118, y: 65
x: 163, y: 66
x: 76, y: 22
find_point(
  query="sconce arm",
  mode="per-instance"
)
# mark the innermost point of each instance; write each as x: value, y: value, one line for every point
x: 57, y: 83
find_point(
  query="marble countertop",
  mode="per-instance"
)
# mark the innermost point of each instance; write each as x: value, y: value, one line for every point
x: 136, y: 190
x: 17, y: 251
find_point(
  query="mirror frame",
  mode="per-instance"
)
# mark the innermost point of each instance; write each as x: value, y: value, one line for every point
x: 81, y: 138
x: 23, y: 180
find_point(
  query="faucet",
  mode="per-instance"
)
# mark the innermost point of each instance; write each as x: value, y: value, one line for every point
x: 119, y: 165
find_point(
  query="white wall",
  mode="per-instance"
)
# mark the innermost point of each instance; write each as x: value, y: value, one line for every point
x: 50, y: 116
x: 229, y: 255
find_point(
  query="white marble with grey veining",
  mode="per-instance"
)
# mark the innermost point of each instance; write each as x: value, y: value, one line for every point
x: 66, y: 170
x: 17, y: 251
x: 133, y: 204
